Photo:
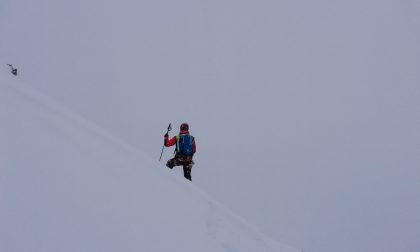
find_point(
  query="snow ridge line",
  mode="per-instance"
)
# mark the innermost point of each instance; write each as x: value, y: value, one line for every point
x: 57, y: 108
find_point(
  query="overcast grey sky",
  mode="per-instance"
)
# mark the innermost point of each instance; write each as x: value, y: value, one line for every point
x: 306, y: 113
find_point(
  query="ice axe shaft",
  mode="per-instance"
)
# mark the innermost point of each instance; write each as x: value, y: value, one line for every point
x: 163, y: 147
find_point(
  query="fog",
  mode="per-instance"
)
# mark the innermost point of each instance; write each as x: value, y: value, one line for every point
x: 306, y: 114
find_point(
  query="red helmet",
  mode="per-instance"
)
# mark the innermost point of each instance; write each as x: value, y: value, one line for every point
x: 184, y: 127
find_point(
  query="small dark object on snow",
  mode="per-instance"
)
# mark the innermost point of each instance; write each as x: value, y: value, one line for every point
x: 13, y: 70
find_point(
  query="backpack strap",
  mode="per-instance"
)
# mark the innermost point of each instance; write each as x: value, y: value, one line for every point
x: 177, y: 144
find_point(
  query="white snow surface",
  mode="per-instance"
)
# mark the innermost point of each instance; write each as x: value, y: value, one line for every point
x: 67, y: 185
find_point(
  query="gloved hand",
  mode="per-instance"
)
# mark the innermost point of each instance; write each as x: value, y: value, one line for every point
x: 166, y: 135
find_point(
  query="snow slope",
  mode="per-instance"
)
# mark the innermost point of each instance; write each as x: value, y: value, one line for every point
x: 67, y: 185
x: 328, y: 92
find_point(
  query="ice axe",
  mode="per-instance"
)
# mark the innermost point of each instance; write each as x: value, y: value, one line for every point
x: 167, y: 132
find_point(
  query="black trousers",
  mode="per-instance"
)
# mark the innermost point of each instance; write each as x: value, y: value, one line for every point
x: 186, y: 162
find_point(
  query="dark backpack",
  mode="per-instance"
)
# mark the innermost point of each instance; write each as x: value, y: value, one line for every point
x: 186, y: 145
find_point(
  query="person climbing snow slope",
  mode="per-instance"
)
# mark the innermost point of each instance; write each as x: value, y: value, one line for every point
x: 184, y: 150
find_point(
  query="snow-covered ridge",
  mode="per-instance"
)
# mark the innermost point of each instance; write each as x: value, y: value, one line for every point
x: 68, y: 185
